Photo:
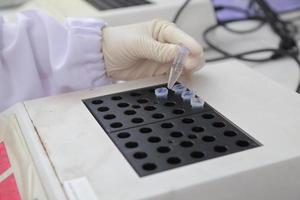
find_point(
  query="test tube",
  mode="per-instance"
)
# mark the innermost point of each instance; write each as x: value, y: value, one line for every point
x: 161, y: 92
x: 177, y: 65
x: 179, y: 88
x: 187, y: 95
x: 197, y: 102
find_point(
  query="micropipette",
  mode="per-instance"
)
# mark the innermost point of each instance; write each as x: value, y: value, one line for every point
x: 177, y: 65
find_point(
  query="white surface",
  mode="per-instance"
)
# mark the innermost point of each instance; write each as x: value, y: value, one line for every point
x: 77, y: 146
x: 79, y: 189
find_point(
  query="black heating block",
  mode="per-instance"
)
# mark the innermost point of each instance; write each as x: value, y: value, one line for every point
x: 157, y: 135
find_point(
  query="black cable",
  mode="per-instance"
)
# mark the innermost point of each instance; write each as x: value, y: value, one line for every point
x: 260, y: 25
x: 180, y: 10
x: 296, y: 59
x: 241, y: 56
x: 232, y: 8
x: 247, y: 14
x: 288, y: 44
x: 284, y: 29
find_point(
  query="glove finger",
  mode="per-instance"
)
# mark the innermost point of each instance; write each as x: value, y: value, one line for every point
x: 143, y: 69
x: 156, y: 51
x: 163, y: 69
x: 166, y: 53
x: 168, y: 32
x: 193, y: 63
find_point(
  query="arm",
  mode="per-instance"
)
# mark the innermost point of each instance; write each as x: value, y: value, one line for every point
x: 40, y: 57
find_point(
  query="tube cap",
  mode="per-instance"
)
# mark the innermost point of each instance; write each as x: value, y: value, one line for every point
x: 187, y: 95
x: 179, y: 88
x: 161, y: 92
x: 197, y: 102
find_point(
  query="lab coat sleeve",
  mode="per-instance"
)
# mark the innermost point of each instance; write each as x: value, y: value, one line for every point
x: 41, y: 57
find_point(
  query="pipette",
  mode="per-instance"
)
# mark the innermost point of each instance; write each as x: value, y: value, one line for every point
x: 177, y: 65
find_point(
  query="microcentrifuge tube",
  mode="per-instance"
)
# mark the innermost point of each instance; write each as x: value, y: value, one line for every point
x: 197, y: 102
x: 177, y: 65
x: 161, y: 92
x: 179, y: 88
x: 187, y: 95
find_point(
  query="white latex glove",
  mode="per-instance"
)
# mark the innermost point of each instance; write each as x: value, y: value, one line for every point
x: 147, y: 49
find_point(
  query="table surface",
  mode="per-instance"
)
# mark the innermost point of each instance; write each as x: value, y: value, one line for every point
x: 284, y: 71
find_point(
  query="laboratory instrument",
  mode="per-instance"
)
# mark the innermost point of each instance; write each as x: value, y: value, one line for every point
x: 75, y: 146
x: 143, y: 135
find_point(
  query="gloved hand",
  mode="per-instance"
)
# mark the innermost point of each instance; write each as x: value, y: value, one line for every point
x: 147, y: 49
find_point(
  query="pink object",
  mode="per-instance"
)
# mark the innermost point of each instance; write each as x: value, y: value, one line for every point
x: 9, y: 189
x: 4, y: 161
